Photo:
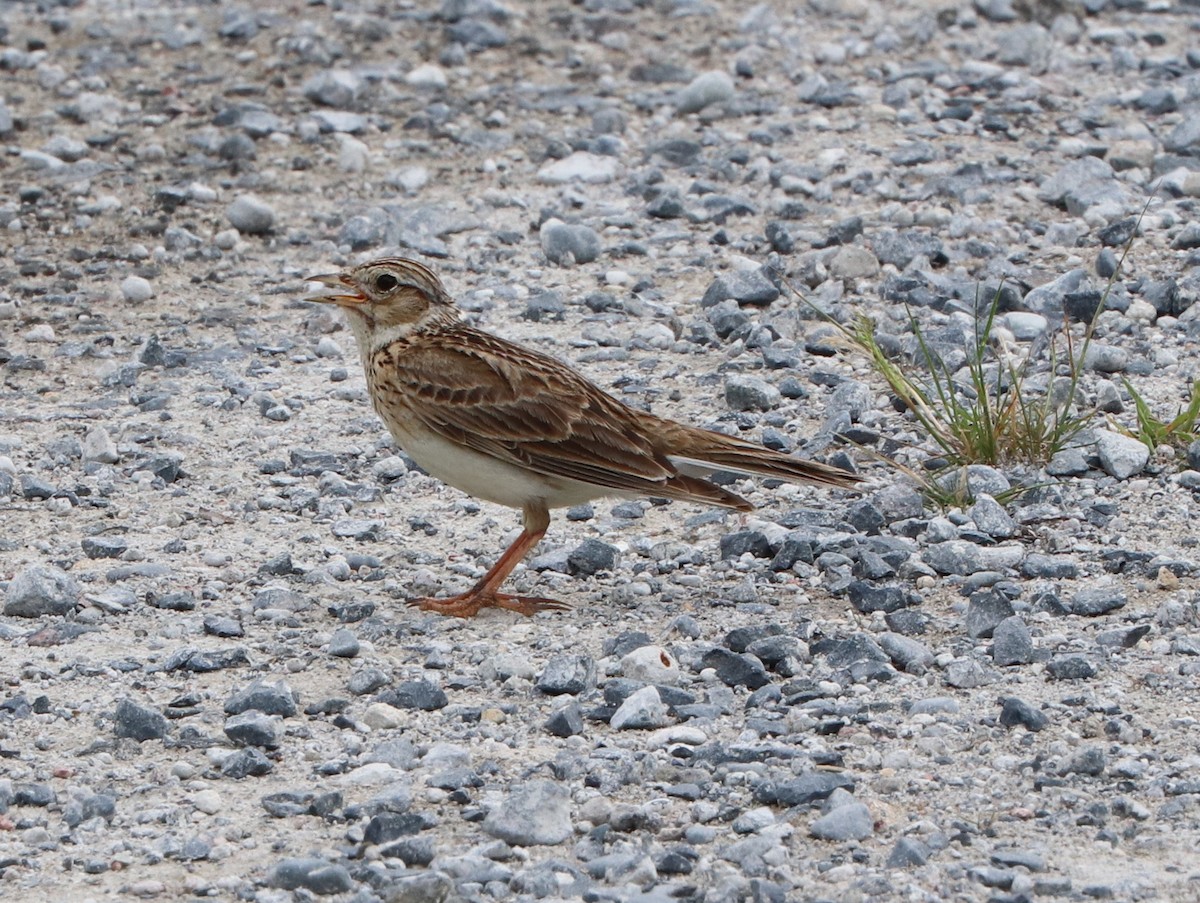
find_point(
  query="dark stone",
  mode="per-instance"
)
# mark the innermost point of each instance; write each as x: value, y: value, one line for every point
x: 1070, y: 667
x: 984, y: 611
x: 867, y: 597
x: 565, y: 722
x: 804, y: 790
x: 736, y: 670
x: 270, y: 699
x: 734, y: 545
x: 1016, y: 711
x: 139, y: 722
x: 415, y: 694
x: 591, y: 557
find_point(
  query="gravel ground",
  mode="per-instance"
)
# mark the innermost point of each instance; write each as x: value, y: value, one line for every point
x: 211, y: 686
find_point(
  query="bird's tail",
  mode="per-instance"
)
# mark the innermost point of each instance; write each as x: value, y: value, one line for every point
x: 704, y: 451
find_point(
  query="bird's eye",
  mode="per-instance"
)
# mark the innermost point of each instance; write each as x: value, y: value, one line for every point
x: 385, y: 282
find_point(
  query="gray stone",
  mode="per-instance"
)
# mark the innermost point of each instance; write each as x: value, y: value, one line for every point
x: 136, y: 289
x: 98, y: 446
x: 853, y: 262
x: 103, y: 546
x: 565, y: 722
x: 1070, y: 462
x: 704, y: 90
x: 642, y: 710
x: 1097, y: 600
x: 336, y: 88
x: 750, y: 286
x: 1011, y: 642
x: 851, y: 821
x: 736, y: 670
x: 967, y: 674
x: 538, y: 813
x: 1186, y: 135
x: 139, y: 722
x: 591, y: 557
x: 1082, y: 184
x: 270, y: 699
x: 319, y: 876
x: 566, y: 244
x: 250, y: 216
x: 1121, y: 456
x: 579, y: 167
x: 984, y: 611
x: 749, y: 393
x: 1016, y: 711
x: 908, y: 852
x: 343, y: 643
x: 991, y: 518
x: 253, y: 728
x: 1105, y: 358
x: 40, y: 590
x: 906, y: 653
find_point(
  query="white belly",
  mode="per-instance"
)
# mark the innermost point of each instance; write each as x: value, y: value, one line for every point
x: 487, y: 478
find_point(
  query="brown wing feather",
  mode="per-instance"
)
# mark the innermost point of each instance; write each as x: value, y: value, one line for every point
x: 532, y: 410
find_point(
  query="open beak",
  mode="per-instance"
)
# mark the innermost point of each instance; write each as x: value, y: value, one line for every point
x: 349, y: 297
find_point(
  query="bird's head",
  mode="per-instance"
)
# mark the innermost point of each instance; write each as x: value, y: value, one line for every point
x: 387, y: 299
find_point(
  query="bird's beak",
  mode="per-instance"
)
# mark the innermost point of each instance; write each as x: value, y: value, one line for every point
x: 351, y: 298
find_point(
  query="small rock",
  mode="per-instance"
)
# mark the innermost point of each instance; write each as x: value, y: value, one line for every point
x: 41, y: 590
x: 851, y: 821
x: 651, y: 665
x: 565, y: 244
x: 136, y: 289
x: 1121, y: 456
x: 316, y: 875
x: 250, y: 216
x: 139, y: 722
x: 567, y: 673
x: 270, y: 699
x: 705, y: 89
x: 1016, y: 711
x: 749, y: 393
x: 253, y: 728
x: 1011, y: 642
x: 579, y: 167
x: 538, y: 813
x: 642, y: 710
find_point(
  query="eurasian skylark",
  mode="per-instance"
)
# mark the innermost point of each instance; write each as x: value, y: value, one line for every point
x: 521, y: 428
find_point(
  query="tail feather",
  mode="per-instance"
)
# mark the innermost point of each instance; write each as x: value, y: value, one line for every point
x: 704, y: 450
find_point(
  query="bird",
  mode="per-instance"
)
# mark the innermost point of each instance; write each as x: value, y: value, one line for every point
x: 520, y: 428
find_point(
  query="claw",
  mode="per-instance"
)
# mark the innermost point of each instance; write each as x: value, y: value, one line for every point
x: 467, y: 605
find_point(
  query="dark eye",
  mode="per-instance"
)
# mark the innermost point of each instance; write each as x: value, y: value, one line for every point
x: 385, y: 282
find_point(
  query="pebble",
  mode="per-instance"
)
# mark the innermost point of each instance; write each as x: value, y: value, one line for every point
x: 582, y: 167
x: 136, y: 289
x: 704, y: 90
x: 538, y: 813
x: 1121, y: 456
x: 849, y: 821
x: 641, y: 710
x: 41, y: 590
x: 139, y: 722
x: 569, y: 244
x: 312, y: 874
x: 250, y: 216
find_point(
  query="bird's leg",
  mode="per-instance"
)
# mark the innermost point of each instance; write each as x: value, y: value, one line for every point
x: 486, y: 593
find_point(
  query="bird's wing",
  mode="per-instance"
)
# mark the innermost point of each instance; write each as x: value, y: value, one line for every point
x: 533, y: 411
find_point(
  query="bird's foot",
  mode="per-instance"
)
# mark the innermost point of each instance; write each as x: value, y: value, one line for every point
x: 467, y: 605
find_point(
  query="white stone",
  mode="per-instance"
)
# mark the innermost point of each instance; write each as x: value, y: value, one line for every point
x: 427, y: 75
x: 135, y: 289
x: 579, y: 167
x: 652, y: 665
